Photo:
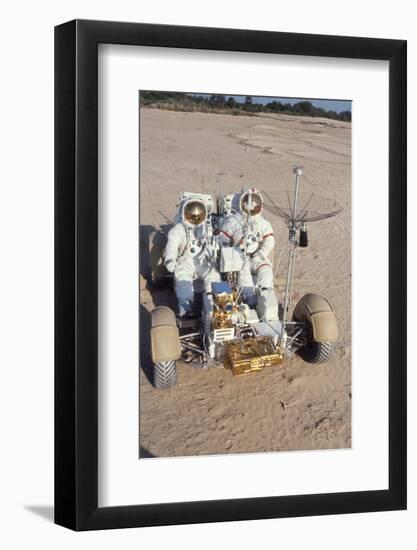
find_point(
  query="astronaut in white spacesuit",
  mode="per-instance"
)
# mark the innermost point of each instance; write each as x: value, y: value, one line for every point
x: 247, y: 229
x: 190, y: 253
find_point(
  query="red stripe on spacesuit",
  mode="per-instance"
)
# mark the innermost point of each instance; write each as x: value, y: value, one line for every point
x: 227, y: 234
x: 268, y: 235
x: 262, y: 265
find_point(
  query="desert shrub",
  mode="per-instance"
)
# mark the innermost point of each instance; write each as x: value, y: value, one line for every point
x: 222, y: 104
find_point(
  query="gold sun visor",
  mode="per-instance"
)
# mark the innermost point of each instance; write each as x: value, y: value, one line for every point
x: 251, y: 203
x: 195, y: 212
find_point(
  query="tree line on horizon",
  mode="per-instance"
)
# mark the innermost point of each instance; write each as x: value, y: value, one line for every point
x: 219, y: 103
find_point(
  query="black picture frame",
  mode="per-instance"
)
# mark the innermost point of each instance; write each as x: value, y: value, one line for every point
x: 76, y: 271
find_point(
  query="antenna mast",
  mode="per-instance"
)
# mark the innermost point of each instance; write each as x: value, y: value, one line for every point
x: 292, y: 224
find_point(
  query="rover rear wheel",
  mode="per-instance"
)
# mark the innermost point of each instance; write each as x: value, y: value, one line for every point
x: 165, y: 347
x: 164, y: 374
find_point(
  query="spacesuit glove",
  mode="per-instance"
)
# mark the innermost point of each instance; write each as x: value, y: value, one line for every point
x: 170, y: 265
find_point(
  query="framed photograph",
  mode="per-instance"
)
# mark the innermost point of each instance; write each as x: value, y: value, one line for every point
x: 230, y: 275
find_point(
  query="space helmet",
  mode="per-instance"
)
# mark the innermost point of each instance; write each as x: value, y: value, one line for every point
x: 194, y: 212
x: 251, y: 202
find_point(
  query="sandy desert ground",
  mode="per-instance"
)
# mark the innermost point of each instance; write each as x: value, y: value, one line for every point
x: 292, y: 407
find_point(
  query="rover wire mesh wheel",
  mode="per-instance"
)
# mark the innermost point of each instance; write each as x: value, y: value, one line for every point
x: 317, y: 352
x: 164, y: 374
x: 320, y: 328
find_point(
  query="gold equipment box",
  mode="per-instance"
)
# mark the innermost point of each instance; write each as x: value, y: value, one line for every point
x: 251, y: 355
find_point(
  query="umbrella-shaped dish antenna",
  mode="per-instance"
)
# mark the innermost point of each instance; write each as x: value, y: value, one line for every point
x: 300, y: 205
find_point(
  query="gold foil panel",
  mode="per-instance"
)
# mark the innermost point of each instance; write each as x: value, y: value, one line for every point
x: 251, y: 355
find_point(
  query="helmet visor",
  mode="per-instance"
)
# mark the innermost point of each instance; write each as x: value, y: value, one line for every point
x: 251, y: 203
x: 195, y: 212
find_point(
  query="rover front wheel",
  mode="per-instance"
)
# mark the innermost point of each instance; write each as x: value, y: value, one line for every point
x: 320, y: 328
x: 164, y: 374
x: 317, y: 352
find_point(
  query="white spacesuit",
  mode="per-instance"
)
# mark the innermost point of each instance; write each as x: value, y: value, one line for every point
x: 247, y: 229
x: 189, y: 252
